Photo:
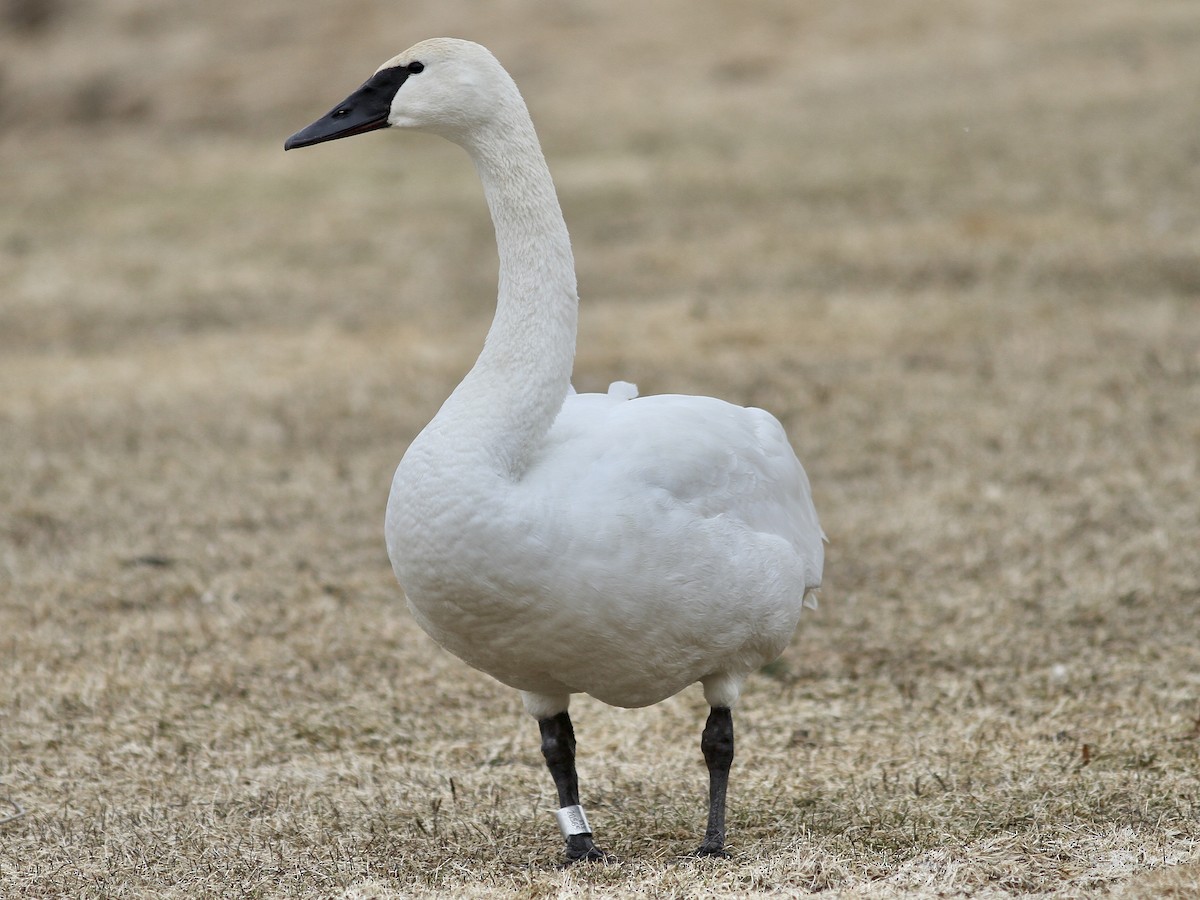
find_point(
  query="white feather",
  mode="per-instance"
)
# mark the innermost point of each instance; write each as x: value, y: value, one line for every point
x: 565, y: 543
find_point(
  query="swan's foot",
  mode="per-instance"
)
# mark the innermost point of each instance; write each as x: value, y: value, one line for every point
x: 711, y: 848
x: 581, y: 848
x: 558, y: 746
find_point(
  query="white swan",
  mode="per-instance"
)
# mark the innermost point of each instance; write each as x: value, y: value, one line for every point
x: 592, y: 543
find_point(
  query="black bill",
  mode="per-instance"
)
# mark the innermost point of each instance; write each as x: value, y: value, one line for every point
x: 365, y: 110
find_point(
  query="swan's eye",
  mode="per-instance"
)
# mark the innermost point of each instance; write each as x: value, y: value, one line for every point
x: 416, y: 67
x: 341, y: 113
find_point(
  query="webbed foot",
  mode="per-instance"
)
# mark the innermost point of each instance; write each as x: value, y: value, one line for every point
x: 581, y: 848
x: 710, y: 849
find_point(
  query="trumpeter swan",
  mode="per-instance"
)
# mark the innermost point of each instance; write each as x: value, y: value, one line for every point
x: 591, y: 543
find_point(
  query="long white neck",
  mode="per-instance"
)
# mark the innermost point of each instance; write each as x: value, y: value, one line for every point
x: 509, y: 399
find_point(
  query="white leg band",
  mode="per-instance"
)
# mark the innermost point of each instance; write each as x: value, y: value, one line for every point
x: 572, y: 820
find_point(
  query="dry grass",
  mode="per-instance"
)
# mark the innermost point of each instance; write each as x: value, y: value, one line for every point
x: 953, y: 245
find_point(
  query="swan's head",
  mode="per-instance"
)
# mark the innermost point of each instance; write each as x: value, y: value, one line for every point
x: 446, y: 86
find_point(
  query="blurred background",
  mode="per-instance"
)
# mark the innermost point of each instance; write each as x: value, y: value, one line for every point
x: 829, y: 146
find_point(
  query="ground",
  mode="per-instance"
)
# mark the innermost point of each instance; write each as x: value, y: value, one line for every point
x: 952, y: 245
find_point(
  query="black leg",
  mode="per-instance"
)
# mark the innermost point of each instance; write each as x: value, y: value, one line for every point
x: 717, y: 744
x: 558, y: 746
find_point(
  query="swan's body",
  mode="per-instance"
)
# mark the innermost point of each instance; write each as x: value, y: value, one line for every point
x: 579, y: 543
x: 643, y: 548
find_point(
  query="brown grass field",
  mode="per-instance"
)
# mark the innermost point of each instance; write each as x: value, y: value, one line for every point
x: 954, y: 246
